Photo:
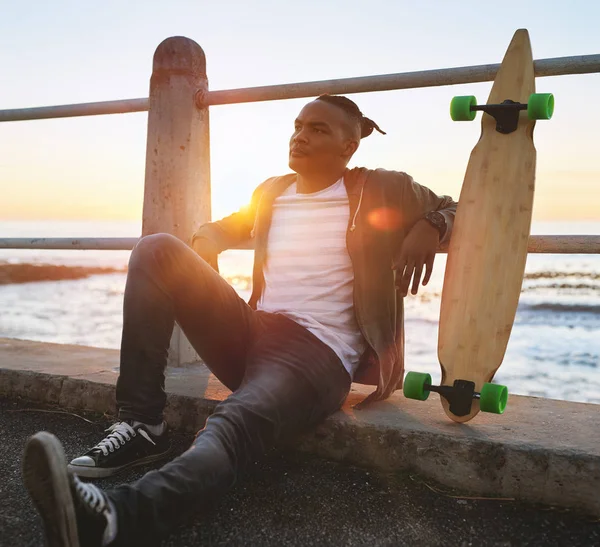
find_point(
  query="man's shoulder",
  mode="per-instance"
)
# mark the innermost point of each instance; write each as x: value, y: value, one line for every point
x: 380, y: 177
x: 273, y: 182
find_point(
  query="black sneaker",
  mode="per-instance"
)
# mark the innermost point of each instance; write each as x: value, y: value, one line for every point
x: 75, y: 514
x: 125, y: 446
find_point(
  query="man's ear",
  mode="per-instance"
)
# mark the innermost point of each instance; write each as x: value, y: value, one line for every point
x: 350, y: 147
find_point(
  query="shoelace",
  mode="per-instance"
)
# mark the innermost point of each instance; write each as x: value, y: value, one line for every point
x: 91, y: 496
x: 119, y: 434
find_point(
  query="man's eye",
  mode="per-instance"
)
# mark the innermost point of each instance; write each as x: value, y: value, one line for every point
x: 317, y: 130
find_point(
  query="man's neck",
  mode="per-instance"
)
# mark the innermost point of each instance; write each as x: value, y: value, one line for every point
x: 315, y: 183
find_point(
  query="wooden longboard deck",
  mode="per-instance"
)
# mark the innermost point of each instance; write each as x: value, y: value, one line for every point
x: 488, y: 249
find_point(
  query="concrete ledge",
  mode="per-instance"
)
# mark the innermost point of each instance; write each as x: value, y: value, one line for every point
x: 540, y: 450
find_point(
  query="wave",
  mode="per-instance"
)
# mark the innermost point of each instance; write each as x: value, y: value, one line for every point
x: 557, y: 286
x: 29, y: 273
x: 555, y: 275
x: 563, y: 308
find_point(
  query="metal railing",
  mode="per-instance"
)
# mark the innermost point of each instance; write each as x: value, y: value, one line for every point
x: 543, y: 244
x: 557, y: 66
x: 64, y: 243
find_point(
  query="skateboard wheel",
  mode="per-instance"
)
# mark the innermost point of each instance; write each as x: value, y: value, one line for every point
x: 493, y: 398
x: 540, y: 106
x: 414, y: 385
x: 460, y: 108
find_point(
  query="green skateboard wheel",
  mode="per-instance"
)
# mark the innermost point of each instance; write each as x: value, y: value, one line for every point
x: 460, y: 108
x: 540, y: 106
x: 493, y: 398
x: 414, y: 385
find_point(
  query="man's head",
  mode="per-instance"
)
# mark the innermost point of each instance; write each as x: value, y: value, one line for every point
x: 326, y: 134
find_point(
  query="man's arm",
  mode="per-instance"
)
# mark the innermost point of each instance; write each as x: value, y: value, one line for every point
x: 421, y: 239
x: 417, y: 200
x: 230, y: 231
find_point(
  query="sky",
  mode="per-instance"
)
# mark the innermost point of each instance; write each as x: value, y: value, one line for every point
x: 72, y: 51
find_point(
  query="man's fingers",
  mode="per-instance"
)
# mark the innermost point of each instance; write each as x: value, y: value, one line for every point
x: 405, y: 281
x: 408, y: 271
x: 411, y: 269
x: 428, y: 269
x: 417, y: 278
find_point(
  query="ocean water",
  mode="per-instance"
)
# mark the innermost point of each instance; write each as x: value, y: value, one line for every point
x: 554, y: 349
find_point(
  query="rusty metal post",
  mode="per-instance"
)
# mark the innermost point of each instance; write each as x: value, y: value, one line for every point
x: 177, y: 187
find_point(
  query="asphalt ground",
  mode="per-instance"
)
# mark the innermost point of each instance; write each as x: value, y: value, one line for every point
x: 295, y: 500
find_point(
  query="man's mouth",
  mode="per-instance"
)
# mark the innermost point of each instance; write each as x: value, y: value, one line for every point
x: 298, y: 152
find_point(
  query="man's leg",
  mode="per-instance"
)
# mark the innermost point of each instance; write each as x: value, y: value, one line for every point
x: 169, y: 282
x: 166, y: 282
x: 293, y: 381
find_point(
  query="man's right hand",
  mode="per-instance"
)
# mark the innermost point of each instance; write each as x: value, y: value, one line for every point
x: 206, y: 249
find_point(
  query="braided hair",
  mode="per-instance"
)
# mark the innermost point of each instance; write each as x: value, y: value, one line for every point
x: 349, y: 107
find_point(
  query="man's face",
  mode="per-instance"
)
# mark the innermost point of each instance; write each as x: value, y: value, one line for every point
x: 323, y: 139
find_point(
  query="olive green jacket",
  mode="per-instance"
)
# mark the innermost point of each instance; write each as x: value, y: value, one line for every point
x: 384, y: 205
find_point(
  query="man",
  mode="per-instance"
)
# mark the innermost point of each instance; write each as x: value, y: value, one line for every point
x: 335, y: 253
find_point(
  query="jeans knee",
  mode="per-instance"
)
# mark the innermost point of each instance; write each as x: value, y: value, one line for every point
x: 148, y: 247
x: 253, y: 424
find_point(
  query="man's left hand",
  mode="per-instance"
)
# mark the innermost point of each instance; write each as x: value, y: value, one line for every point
x: 418, y: 251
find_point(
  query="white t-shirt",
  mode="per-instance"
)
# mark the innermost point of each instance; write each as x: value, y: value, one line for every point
x: 308, y: 272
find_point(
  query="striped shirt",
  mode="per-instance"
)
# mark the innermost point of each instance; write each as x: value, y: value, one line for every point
x: 308, y: 272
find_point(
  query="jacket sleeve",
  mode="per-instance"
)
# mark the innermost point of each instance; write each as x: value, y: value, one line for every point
x: 417, y: 200
x: 235, y: 229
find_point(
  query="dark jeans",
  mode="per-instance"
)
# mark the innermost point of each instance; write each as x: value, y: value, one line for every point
x: 283, y: 379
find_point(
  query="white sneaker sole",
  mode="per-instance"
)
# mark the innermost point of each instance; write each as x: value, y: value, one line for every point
x: 101, y: 472
x: 46, y: 479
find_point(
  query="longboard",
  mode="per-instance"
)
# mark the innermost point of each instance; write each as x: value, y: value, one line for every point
x: 488, y: 247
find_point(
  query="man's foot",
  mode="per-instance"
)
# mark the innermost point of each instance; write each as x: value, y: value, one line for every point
x: 75, y: 514
x: 127, y: 444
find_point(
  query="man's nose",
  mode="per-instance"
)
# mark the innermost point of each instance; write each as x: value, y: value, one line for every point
x: 300, y: 136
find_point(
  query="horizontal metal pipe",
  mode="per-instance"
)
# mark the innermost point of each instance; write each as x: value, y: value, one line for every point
x: 559, y: 66
x: 581, y: 64
x: 547, y: 244
x: 72, y: 110
x: 571, y: 244
x: 65, y: 243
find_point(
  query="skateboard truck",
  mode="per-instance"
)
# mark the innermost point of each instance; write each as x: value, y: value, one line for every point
x: 539, y: 107
x: 505, y: 114
x: 460, y: 395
